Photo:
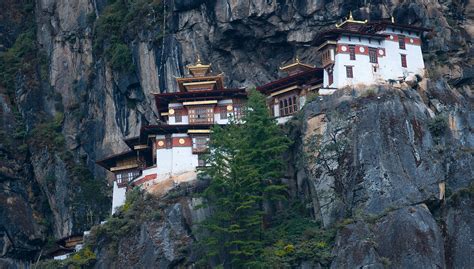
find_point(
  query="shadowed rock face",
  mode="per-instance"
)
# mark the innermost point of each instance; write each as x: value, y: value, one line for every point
x: 387, y: 178
x: 389, y: 161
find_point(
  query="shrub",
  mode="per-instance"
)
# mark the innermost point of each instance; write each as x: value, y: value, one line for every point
x: 49, y: 133
x: 120, y: 57
x: 438, y: 125
x: 84, y: 257
x: 119, y: 23
x: 293, y: 238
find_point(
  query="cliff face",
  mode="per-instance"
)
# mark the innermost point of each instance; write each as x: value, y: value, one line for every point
x: 382, y: 161
x: 69, y: 104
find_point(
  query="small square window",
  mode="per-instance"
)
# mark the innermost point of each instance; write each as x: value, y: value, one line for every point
x: 352, y: 54
x: 349, y: 72
x: 373, y: 55
x: 401, y: 42
x: 178, y: 116
x: 404, y: 60
x: 223, y: 113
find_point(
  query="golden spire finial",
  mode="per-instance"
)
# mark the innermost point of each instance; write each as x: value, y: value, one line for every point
x: 350, y: 16
x: 297, y: 59
x: 198, y: 60
x: 393, y: 19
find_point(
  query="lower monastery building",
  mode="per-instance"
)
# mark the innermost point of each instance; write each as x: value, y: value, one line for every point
x: 171, y: 152
x: 353, y: 54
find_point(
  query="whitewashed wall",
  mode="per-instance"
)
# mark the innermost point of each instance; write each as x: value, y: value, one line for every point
x: 118, y: 197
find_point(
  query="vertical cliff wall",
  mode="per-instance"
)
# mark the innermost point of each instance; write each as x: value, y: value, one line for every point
x: 70, y: 93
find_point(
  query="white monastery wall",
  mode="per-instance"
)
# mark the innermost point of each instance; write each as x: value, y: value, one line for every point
x: 118, y: 197
x: 389, y: 63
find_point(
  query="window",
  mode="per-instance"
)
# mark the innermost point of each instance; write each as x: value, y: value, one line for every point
x: 352, y: 52
x: 401, y: 41
x: 288, y: 105
x: 201, y: 115
x: 404, y: 60
x: 200, y: 144
x: 373, y: 55
x: 223, y: 112
x: 124, y: 177
x: 330, y: 78
x: 237, y: 111
x: 178, y: 116
x: 349, y: 72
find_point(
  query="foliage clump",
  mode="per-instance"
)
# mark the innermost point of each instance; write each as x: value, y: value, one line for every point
x: 49, y: 133
x: 119, y: 24
x: 245, y: 163
x: 438, y: 125
x: 84, y: 258
x: 293, y: 238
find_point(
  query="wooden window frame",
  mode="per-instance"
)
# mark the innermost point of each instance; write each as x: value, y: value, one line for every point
x: 288, y: 105
x: 178, y: 116
x: 200, y: 147
x: 349, y: 71
x: 223, y: 114
x: 373, y: 57
x: 403, y: 58
x: 201, y: 115
x: 352, y: 52
x: 124, y: 177
x: 401, y: 42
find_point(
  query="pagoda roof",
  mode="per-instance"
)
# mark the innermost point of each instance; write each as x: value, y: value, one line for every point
x: 199, y: 69
x: 217, y: 79
x: 163, y: 99
x: 312, y: 75
x: 296, y: 64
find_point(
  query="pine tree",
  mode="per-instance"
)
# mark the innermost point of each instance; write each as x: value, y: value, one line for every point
x: 245, y: 163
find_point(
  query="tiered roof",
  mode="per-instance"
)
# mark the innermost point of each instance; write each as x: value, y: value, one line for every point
x: 200, y: 79
x: 309, y: 76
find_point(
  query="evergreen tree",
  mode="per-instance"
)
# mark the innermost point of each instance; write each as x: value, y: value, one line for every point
x: 245, y: 163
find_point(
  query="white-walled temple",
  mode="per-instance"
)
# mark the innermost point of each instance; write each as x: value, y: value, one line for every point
x: 171, y: 152
x: 357, y: 53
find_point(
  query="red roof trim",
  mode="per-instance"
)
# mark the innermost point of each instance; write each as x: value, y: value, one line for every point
x: 163, y: 99
x: 292, y: 79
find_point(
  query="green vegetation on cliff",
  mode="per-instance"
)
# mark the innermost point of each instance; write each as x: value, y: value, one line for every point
x: 119, y: 24
x: 245, y: 165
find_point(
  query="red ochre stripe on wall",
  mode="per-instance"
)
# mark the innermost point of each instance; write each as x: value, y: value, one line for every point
x: 145, y: 179
x: 175, y: 142
x: 340, y: 49
x: 182, y: 142
x: 408, y: 40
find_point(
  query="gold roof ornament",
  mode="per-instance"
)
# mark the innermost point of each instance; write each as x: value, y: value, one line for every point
x: 393, y: 19
x: 296, y: 66
x: 350, y: 19
x: 199, y: 69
